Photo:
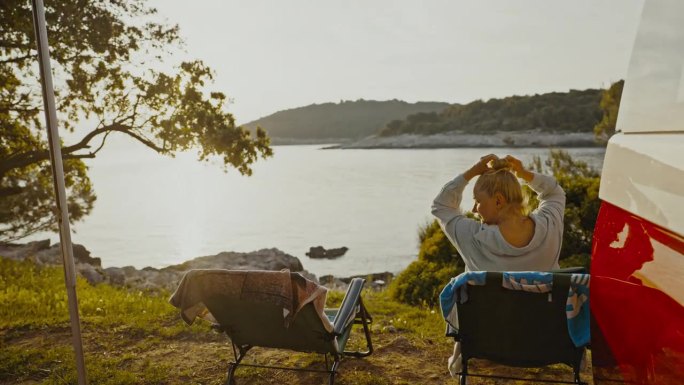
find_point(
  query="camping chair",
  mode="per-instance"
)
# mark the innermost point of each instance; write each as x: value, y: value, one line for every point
x: 251, y: 323
x: 516, y: 328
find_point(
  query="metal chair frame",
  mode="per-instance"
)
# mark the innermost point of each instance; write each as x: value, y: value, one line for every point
x: 332, y: 360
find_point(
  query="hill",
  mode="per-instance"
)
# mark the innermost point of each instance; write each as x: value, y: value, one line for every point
x: 555, y: 112
x: 338, y: 121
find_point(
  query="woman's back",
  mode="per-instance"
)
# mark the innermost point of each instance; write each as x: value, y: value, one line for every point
x: 518, y: 233
x: 504, y: 240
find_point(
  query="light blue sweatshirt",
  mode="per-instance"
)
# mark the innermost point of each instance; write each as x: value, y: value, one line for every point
x: 484, y: 248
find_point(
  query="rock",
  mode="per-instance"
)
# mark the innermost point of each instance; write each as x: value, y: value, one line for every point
x: 333, y: 283
x: 82, y: 255
x: 115, y: 276
x: 373, y: 280
x: 20, y: 252
x: 90, y: 273
x: 53, y: 256
x: 460, y: 139
x: 264, y: 259
x: 149, y: 277
x: 319, y: 252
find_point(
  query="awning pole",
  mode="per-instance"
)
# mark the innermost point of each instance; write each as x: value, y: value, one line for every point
x: 58, y: 178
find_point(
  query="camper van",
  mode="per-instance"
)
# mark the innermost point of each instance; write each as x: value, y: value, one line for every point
x: 637, y: 265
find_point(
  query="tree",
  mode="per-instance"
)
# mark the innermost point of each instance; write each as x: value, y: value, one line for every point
x: 103, y: 56
x: 610, y: 105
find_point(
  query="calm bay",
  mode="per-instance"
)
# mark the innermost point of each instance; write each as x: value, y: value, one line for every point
x: 156, y: 211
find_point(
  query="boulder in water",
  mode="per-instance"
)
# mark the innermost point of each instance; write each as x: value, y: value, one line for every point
x: 319, y: 252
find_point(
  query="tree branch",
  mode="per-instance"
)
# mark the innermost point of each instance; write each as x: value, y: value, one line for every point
x: 27, y: 158
x: 17, y: 59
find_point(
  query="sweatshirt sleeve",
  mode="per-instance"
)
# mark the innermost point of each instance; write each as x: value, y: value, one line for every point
x: 446, y: 207
x: 551, y: 197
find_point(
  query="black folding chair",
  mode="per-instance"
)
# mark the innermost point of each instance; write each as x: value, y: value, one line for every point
x: 258, y: 324
x: 516, y: 328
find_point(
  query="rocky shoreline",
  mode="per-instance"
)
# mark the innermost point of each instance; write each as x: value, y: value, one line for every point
x: 149, y: 278
x: 458, y: 139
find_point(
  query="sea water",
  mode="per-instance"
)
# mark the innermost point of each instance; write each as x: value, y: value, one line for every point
x: 156, y: 211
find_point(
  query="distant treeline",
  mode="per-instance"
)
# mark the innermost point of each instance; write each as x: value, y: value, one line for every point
x: 344, y: 120
x: 574, y: 111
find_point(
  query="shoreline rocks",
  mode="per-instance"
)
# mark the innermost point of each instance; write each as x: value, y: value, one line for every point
x: 457, y: 139
x: 150, y: 278
x: 373, y: 280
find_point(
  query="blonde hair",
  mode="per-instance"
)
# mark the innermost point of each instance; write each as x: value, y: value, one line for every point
x: 501, y: 180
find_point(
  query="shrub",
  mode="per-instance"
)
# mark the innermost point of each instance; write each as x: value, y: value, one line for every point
x: 438, y: 261
x: 581, y: 185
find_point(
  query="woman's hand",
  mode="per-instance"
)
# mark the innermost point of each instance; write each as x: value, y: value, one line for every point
x: 518, y: 168
x: 480, y: 167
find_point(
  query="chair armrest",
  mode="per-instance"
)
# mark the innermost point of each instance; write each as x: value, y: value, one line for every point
x: 349, y: 306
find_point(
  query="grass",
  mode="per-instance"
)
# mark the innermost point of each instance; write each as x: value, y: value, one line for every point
x: 134, y: 337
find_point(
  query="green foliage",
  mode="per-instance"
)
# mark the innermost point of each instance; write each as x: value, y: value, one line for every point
x: 438, y: 261
x: 105, y: 83
x: 386, y: 312
x: 344, y: 120
x: 573, y: 111
x: 581, y: 185
x: 610, y: 105
x: 33, y: 296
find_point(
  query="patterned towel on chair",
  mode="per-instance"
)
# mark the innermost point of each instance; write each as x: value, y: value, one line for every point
x: 577, y: 305
x: 456, y: 290
x: 577, y: 309
x: 289, y: 291
x: 531, y: 281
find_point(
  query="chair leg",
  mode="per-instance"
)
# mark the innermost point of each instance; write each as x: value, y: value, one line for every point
x: 464, y: 372
x: 231, y: 373
x: 333, y: 370
x: 577, y: 377
x: 239, y: 352
x: 366, y: 330
x: 363, y: 318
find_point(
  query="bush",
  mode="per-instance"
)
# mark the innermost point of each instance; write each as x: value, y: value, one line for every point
x: 438, y: 261
x: 581, y: 185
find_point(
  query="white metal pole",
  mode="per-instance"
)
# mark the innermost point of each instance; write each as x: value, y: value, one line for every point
x: 58, y: 177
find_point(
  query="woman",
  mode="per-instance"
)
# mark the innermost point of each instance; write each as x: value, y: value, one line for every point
x: 507, y: 238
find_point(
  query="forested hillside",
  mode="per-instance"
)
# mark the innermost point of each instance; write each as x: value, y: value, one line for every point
x: 344, y: 120
x: 574, y: 111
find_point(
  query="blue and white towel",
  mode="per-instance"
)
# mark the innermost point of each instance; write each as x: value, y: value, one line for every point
x: 456, y: 290
x: 531, y: 281
x: 577, y: 309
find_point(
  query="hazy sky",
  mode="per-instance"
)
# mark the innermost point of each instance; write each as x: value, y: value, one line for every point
x: 273, y: 55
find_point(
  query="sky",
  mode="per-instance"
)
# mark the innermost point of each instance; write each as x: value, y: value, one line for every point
x: 274, y: 55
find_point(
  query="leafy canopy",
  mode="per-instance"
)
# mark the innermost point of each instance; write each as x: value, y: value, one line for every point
x: 105, y: 55
x: 572, y: 111
x: 610, y: 105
